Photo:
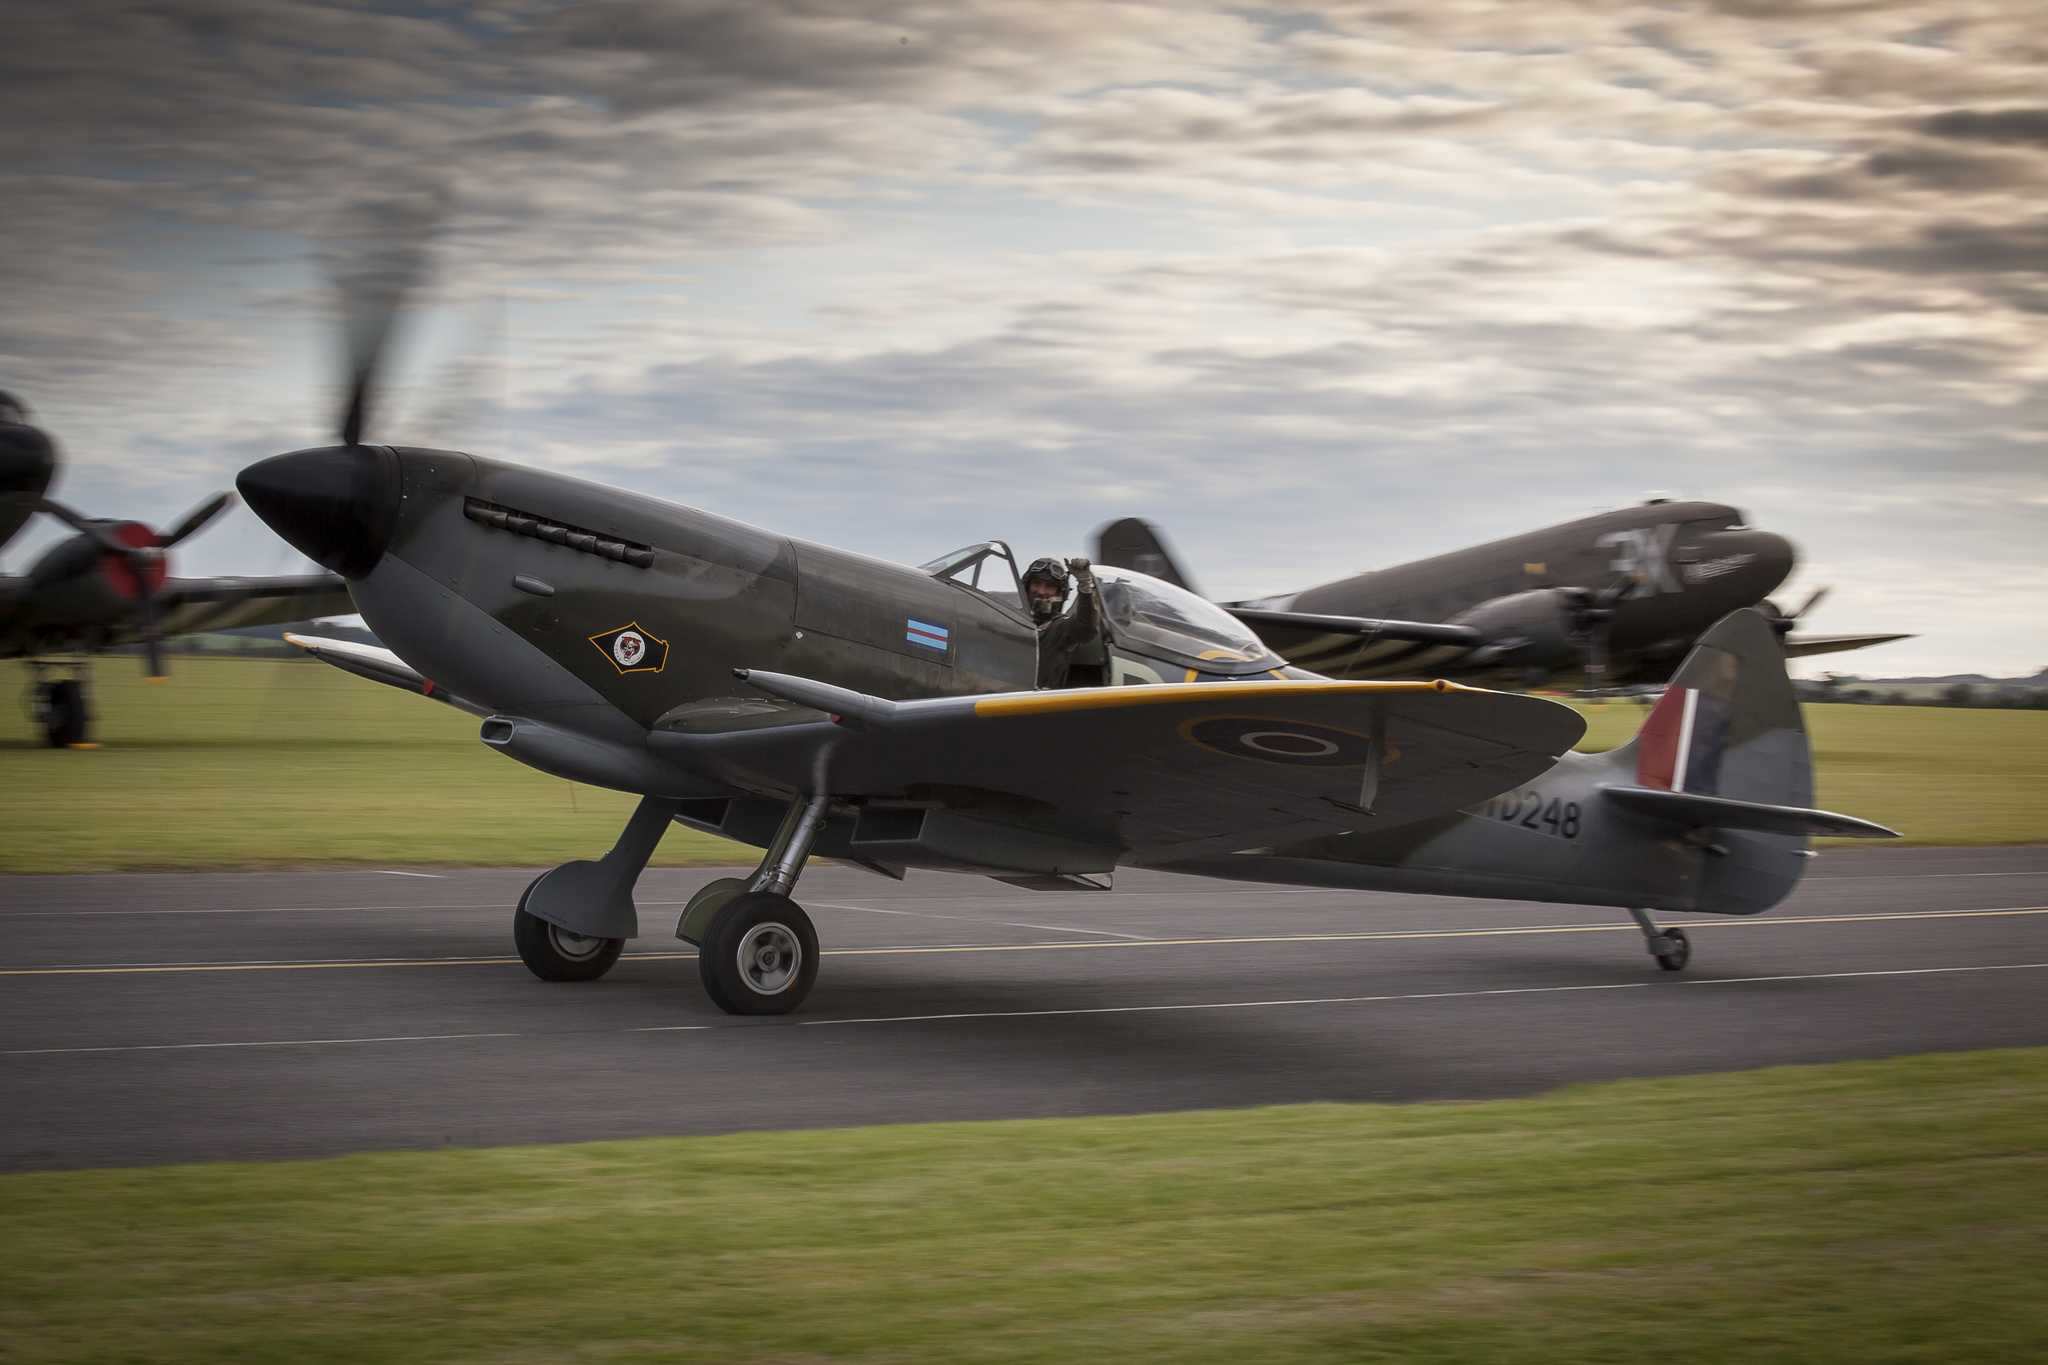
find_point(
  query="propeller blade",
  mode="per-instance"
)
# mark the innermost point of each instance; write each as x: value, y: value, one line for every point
x: 381, y: 258
x: 1813, y: 600
x: 153, y: 666
x: 98, y: 530
x: 1597, y: 652
x: 196, y: 518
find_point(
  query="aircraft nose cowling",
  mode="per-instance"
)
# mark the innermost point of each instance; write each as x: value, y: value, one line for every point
x: 334, y: 504
x: 1756, y: 561
x: 27, y: 460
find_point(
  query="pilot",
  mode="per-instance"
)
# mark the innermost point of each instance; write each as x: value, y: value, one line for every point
x: 1071, y: 648
x: 13, y: 411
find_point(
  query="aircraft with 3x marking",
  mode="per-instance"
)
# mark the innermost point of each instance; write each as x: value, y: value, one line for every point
x: 1613, y: 600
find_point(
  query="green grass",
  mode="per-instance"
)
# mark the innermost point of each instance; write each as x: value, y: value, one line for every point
x: 242, y: 763
x: 1864, y: 1212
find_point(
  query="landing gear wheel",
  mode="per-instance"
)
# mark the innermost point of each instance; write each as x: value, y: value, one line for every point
x: 1677, y: 953
x: 553, y: 953
x: 62, y: 712
x: 759, y: 955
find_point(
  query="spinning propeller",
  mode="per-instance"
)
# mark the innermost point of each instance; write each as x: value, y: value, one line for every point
x: 1786, y: 622
x: 133, y: 560
x: 337, y: 504
x: 1591, y: 614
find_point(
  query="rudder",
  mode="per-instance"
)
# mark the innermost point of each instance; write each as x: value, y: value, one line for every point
x: 1136, y: 544
x: 1724, y: 757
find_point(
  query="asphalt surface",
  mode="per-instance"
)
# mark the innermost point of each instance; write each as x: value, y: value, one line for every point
x: 172, y: 1018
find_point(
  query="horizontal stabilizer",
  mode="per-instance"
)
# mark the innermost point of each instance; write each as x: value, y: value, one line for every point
x: 1692, y: 808
x: 1805, y: 646
x: 1420, y: 632
x: 379, y: 665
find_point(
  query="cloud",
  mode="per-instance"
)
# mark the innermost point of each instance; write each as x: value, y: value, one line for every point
x: 1323, y: 285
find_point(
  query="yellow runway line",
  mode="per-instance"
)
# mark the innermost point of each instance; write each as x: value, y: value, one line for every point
x: 1059, y: 945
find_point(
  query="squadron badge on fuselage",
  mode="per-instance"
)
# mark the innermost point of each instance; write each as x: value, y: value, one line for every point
x: 632, y: 649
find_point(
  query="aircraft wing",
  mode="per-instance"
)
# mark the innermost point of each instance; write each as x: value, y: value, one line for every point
x: 1800, y: 646
x: 1357, y: 646
x: 379, y: 665
x: 1148, y: 770
x: 191, y: 606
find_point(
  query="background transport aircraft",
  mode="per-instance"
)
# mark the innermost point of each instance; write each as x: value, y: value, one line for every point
x: 802, y: 699
x: 110, y: 585
x: 1612, y: 600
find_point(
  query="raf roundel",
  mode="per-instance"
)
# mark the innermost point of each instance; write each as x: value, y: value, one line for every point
x: 632, y: 649
x: 1281, y: 741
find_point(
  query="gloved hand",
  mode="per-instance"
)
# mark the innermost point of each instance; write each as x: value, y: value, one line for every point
x: 1080, y: 568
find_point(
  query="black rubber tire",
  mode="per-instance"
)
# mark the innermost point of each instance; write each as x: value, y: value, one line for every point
x: 66, y: 718
x: 1675, y: 960
x: 547, y: 957
x: 718, y: 957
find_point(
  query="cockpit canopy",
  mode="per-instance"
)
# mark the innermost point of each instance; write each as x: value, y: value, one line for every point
x: 987, y: 566
x: 1145, y: 615
x: 1152, y: 617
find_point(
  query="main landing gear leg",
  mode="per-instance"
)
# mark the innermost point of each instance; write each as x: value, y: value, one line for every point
x: 573, y: 921
x: 1670, y: 947
x: 756, y: 949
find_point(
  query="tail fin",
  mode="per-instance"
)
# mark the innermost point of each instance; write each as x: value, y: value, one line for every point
x: 1138, y: 545
x: 1724, y: 753
x: 1728, y: 725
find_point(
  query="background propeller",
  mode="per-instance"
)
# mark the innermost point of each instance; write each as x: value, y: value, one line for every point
x: 1592, y: 612
x: 140, y: 553
x: 1784, y: 622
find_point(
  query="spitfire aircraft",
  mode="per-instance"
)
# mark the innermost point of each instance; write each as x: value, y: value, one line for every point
x: 806, y: 700
x: 110, y: 584
x: 1608, y: 601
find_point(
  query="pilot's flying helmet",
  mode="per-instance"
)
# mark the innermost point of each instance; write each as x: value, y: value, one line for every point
x: 12, y: 409
x: 1046, y: 570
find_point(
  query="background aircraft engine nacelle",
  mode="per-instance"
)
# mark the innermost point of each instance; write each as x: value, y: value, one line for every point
x: 81, y: 578
x: 1537, y: 629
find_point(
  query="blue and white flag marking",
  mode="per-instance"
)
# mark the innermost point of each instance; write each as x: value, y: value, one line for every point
x: 930, y: 636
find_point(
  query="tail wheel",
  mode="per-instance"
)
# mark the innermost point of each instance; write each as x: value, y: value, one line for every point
x: 553, y: 953
x: 759, y: 955
x: 1678, y: 952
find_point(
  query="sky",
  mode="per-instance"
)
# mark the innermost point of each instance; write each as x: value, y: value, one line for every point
x: 1317, y: 287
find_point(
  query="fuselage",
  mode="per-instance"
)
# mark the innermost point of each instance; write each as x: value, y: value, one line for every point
x: 552, y: 597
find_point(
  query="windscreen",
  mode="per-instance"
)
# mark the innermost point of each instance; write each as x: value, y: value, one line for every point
x: 1154, y: 617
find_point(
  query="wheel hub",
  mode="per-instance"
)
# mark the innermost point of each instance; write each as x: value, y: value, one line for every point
x: 769, y: 958
x: 574, y: 946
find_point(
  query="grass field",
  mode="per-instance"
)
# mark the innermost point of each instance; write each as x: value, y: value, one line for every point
x: 250, y: 763
x: 1863, y: 1212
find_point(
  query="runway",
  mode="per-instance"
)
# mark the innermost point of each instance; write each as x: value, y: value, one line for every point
x: 154, y: 1018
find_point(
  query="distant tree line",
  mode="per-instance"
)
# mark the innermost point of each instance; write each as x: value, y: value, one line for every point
x: 2025, y: 695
